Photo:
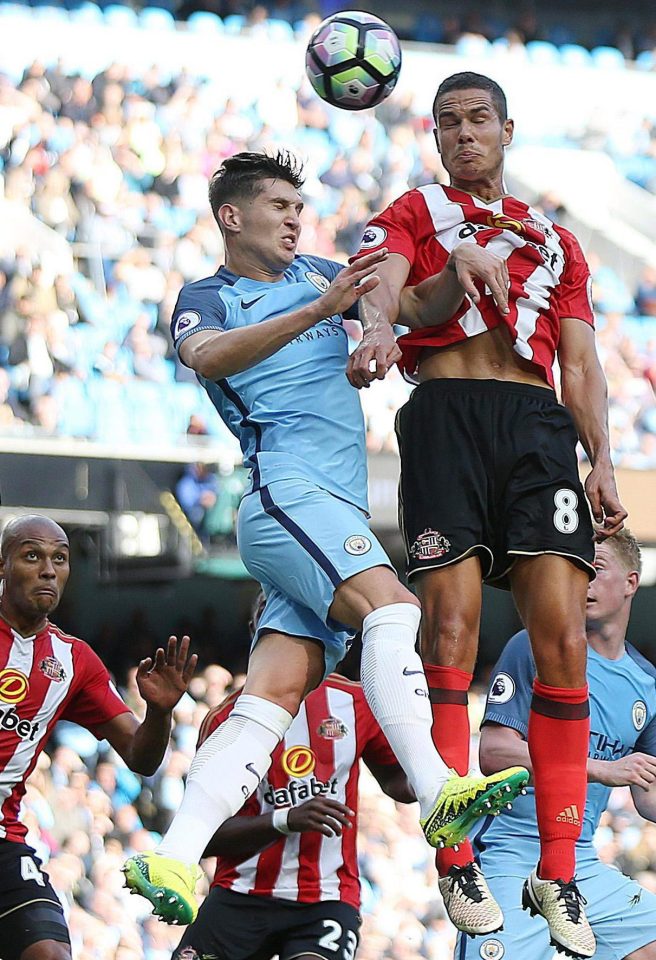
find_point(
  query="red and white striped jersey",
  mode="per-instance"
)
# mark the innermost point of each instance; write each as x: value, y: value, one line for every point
x: 549, y: 277
x: 44, y: 678
x: 319, y: 756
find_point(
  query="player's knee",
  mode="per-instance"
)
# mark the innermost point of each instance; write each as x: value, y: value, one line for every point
x: 448, y: 637
x: 47, y: 950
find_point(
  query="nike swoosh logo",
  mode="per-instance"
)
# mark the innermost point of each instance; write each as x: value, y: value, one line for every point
x: 410, y: 673
x: 247, y: 306
x: 251, y: 769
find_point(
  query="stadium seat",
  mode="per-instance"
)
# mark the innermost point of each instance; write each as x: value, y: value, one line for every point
x: 646, y: 60
x: 574, y: 55
x: 86, y: 12
x: 542, y: 52
x: 234, y: 23
x: 472, y: 45
x: 111, y: 411
x: 608, y: 58
x: 116, y: 15
x: 15, y: 11
x: 280, y: 30
x: 45, y: 13
x: 156, y: 18
x: 202, y: 21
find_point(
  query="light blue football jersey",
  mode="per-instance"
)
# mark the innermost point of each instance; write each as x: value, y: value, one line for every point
x: 295, y: 414
x: 622, y: 721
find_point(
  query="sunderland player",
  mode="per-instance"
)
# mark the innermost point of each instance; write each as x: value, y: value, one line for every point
x: 622, y: 752
x: 45, y: 676
x: 265, y: 336
x: 287, y: 880
x: 493, y: 292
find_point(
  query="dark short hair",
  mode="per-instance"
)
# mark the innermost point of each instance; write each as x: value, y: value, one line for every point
x: 474, y: 81
x: 240, y: 177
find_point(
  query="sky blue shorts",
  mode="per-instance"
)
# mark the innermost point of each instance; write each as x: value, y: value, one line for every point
x: 301, y: 543
x: 621, y: 913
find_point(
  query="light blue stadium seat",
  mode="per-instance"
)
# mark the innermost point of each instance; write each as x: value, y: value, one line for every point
x: 149, y: 420
x: 646, y: 60
x: 156, y: 18
x: 234, y: 23
x: 542, y: 52
x: 202, y: 21
x: 184, y: 399
x: 608, y: 58
x: 574, y: 55
x: 45, y: 13
x: 76, y: 414
x: 15, y: 11
x: 280, y: 30
x: 111, y: 411
x: 86, y: 12
x: 471, y: 45
x: 116, y: 15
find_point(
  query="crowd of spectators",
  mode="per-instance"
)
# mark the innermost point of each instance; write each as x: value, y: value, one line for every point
x: 117, y: 167
x: 86, y: 813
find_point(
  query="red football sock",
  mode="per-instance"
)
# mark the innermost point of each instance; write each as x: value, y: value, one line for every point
x: 558, y: 737
x: 448, y: 688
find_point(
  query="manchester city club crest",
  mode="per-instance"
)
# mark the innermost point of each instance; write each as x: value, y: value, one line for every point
x: 332, y: 728
x: 492, y: 949
x: 639, y: 714
x: 430, y: 545
x: 357, y: 545
x: 318, y: 280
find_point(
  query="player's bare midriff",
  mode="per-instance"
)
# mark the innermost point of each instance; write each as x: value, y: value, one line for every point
x: 488, y: 356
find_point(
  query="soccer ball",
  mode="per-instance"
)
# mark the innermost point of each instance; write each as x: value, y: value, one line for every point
x: 353, y: 60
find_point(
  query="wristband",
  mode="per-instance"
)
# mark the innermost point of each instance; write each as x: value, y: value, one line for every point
x: 279, y: 820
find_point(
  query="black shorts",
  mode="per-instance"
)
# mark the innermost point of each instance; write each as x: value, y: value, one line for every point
x: 29, y: 908
x: 237, y: 926
x: 489, y: 467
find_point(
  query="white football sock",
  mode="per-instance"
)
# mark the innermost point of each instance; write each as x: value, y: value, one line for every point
x: 395, y: 686
x: 224, y: 773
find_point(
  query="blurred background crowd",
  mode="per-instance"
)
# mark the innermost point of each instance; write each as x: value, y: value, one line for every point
x: 116, y: 165
x: 86, y: 813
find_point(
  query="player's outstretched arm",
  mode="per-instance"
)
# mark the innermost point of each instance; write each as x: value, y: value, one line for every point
x: 379, y: 311
x: 502, y: 747
x: 161, y: 683
x: 435, y: 300
x: 585, y: 394
x: 217, y: 354
x: 244, y: 837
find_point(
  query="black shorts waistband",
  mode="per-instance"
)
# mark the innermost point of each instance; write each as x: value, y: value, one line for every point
x: 457, y: 385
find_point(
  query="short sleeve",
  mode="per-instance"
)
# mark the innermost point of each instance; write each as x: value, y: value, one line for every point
x: 96, y: 700
x: 646, y: 742
x: 197, y: 309
x: 511, y: 688
x: 395, y: 228
x: 575, y: 287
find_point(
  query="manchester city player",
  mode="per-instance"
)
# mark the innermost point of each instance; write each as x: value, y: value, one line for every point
x: 265, y: 336
x: 622, y: 753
